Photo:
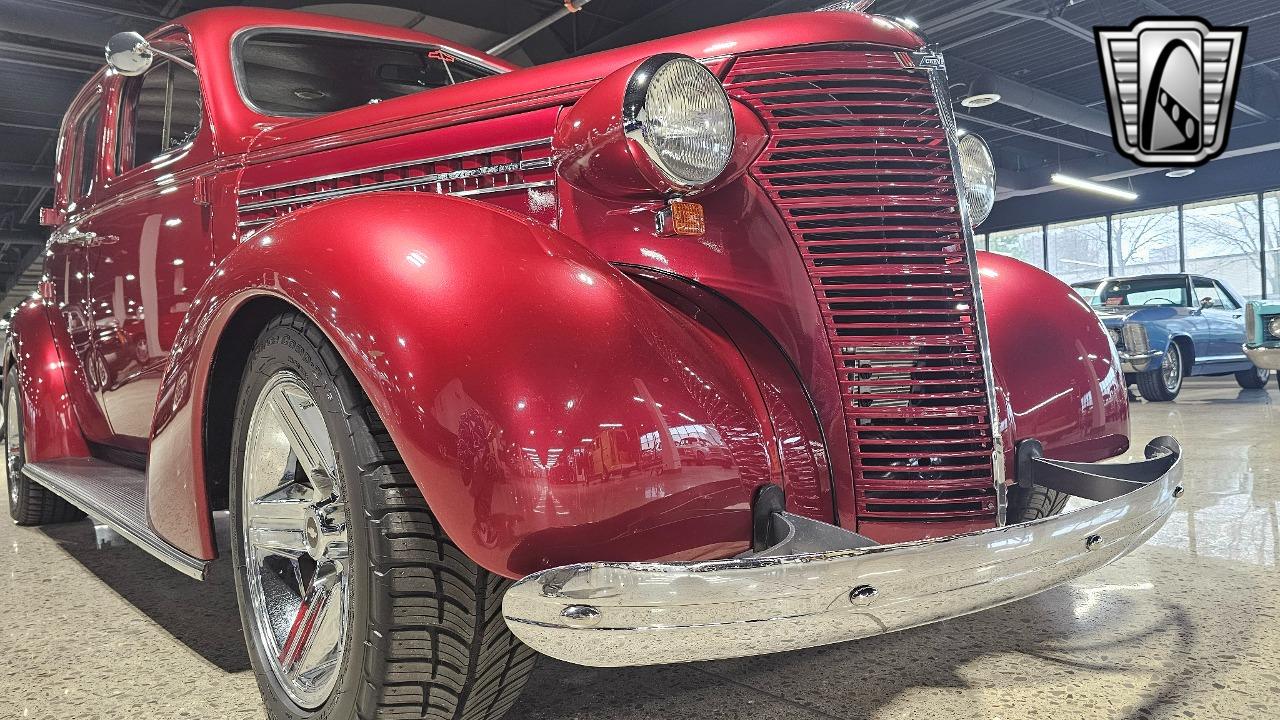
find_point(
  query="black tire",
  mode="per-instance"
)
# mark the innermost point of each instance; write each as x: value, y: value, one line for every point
x: 1038, y: 502
x: 425, y: 635
x: 30, y: 503
x: 1164, y: 383
x: 1254, y: 378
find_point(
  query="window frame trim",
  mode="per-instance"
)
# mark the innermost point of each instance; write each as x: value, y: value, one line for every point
x: 177, y: 36
x: 242, y: 36
x: 74, y: 196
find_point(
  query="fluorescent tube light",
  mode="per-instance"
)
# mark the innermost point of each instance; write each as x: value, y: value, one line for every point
x: 1094, y: 187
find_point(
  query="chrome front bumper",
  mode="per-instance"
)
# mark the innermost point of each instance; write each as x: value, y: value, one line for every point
x: 619, y: 614
x: 1139, y: 362
x: 1267, y: 358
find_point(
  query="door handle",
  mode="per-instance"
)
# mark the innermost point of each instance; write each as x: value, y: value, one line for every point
x: 83, y: 238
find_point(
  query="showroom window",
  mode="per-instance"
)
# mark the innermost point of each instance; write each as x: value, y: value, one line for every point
x: 1078, y: 250
x: 1271, y: 215
x: 1145, y: 242
x: 1026, y: 244
x: 1221, y: 238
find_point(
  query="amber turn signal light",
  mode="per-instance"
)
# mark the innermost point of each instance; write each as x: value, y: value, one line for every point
x: 681, y: 218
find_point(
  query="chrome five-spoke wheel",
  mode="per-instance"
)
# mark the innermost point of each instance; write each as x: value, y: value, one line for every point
x: 12, y: 446
x: 295, y: 543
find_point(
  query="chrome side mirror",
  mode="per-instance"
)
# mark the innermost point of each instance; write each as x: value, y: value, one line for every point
x: 129, y: 54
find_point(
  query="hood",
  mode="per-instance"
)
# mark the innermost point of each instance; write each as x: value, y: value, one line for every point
x: 1115, y: 316
x: 562, y: 81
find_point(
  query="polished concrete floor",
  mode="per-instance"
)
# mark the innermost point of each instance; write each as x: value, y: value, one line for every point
x: 1187, y: 626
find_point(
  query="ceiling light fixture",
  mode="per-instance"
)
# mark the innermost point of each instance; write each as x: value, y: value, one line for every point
x: 1094, y: 187
x: 1179, y: 172
x: 980, y: 100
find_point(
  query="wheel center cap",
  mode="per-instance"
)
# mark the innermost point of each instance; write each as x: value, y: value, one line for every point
x: 312, y: 533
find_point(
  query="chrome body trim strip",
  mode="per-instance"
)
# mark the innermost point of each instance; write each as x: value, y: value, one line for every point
x: 406, y: 163
x: 460, y: 193
x: 140, y: 535
x: 620, y: 614
x: 942, y: 95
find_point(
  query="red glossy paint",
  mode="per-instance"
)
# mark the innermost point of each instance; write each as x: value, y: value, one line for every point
x: 522, y: 421
x: 536, y: 351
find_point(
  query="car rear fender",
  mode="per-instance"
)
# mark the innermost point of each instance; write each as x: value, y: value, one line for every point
x: 51, y: 428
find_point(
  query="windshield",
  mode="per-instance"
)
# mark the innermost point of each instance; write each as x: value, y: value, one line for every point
x: 1169, y: 291
x: 308, y: 73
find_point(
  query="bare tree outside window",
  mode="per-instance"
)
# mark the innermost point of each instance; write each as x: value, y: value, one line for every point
x: 1145, y: 242
x: 1222, y: 242
x: 1078, y: 250
x: 1025, y: 244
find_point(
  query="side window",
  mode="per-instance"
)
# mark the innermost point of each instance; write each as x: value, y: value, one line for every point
x: 161, y: 112
x: 84, y: 162
x: 1227, y: 301
x: 1210, y: 290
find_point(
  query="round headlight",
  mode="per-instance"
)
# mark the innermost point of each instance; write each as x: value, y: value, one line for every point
x: 677, y: 111
x: 979, y: 170
x: 1273, y: 326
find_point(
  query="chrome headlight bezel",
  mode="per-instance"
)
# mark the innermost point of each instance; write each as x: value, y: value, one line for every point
x: 644, y: 117
x: 1271, y: 323
x: 978, y: 168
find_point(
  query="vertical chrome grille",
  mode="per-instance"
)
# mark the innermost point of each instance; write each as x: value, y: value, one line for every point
x: 859, y: 166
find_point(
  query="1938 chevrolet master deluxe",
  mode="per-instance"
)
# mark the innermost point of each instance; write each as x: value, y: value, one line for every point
x: 435, y: 331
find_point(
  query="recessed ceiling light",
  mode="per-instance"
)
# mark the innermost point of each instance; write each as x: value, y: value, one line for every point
x: 980, y: 100
x: 1180, y: 172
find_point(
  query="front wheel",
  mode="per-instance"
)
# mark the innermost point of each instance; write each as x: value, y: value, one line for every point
x: 1165, y: 382
x: 1254, y: 378
x: 354, y: 601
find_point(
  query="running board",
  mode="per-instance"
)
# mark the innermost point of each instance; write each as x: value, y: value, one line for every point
x: 115, y: 496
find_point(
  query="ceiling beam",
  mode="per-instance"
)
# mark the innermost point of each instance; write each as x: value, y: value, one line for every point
x: 26, y: 176
x: 1029, y: 133
x: 969, y: 12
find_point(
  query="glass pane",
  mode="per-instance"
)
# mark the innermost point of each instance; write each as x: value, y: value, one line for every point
x: 1271, y: 215
x: 166, y: 112
x: 292, y: 73
x: 87, y: 148
x: 1026, y: 244
x: 1078, y: 250
x: 1145, y: 242
x: 1222, y: 242
x: 1167, y: 291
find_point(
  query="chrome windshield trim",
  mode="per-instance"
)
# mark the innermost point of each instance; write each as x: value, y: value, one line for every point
x: 244, y: 34
x: 401, y: 164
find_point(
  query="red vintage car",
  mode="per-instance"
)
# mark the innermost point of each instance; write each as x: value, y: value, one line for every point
x: 430, y: 327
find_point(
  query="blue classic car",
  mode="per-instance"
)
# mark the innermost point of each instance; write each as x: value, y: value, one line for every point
x: 1169, y: 327
x: 1262, y: 335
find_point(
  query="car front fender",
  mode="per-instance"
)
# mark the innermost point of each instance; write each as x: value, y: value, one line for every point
x: 533, y: 390
x: 1057, y: 374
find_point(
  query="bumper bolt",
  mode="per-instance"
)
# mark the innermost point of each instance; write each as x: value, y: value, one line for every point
x: 862, y: 595
x: 580, y: 616
x: 1177, y: 492
x: 1092, y: 542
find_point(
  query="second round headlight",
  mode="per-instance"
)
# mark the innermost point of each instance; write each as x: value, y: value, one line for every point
x: 979, y: 170
x: 1273, y: 326
x: 678, y: 112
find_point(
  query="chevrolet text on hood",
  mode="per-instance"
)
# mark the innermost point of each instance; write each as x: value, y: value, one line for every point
x: 677, y: 351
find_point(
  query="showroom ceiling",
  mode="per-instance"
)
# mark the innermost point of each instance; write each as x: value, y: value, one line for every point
x: 49, y: 47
